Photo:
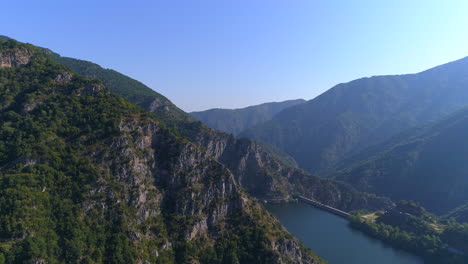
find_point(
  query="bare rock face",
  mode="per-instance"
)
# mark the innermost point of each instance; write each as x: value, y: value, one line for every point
x: 28, y: 107
x: 164, y: 174
x: 145, y: 153
x: 291, y: 249
x: 39, y: 261
x: 159, y: 105
x: 15, y: 58
x: 64, y: 77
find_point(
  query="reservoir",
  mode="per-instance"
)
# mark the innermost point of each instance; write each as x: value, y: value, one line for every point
x: 330, y: 237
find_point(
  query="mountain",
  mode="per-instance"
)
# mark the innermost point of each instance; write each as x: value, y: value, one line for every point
x: 367, y: 111
x: 234, y: 121
x: 425, y: 164
x: 88, y: 177
x: 263, y: 172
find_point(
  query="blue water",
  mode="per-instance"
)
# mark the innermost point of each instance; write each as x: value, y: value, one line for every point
x: 330, y: 237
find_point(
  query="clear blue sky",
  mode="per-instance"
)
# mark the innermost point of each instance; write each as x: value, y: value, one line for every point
x: 218, y: 53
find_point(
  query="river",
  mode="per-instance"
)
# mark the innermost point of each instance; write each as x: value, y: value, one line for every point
x: 330, y: 237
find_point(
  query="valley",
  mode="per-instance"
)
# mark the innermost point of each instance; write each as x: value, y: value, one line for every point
x: 327, y: 233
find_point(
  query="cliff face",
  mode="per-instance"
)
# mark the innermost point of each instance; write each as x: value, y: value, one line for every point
x: 265, y: 176
x: 88, y: 177
x: 14, y: 58
x: 165, y: 176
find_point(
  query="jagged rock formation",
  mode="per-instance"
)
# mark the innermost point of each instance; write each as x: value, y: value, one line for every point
x: 265, y: 176
x: 14, y: 58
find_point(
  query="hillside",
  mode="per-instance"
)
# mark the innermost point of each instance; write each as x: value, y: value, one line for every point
x: 234, y: 121
x: 367, y: 111
x: 89, y: 177
x: 425, y: 164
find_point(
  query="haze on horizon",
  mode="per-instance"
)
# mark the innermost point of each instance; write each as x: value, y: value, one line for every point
x: 231, y: 54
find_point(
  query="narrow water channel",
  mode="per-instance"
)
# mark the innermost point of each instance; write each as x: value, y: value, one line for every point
x: 330, y: 237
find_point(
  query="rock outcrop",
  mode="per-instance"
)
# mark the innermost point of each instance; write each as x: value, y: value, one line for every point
x: 13, y: 58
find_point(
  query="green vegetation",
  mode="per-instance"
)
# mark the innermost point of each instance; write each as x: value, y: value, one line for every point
x: 45, y: 176
x: 132, y: 90
x: 421, y: 234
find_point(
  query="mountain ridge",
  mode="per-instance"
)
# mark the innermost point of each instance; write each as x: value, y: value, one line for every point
x: 234, y: 121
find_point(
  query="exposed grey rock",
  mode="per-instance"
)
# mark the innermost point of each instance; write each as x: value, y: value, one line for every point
x: 15, y: 58
x: 159, y: 105
x: 64, y: 77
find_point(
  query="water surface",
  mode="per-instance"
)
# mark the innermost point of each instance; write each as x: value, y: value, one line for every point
x: 330, y: 237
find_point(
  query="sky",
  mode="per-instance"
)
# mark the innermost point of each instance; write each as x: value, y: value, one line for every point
x: 205, y: 54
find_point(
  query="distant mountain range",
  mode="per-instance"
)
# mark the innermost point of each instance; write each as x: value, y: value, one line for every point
x: 352, y: 116
x: 234, y: 121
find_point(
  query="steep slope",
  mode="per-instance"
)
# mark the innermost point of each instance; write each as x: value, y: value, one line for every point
x: 354, y: 115
x: 234, y: 121
x: 263, y: 172
x: 426, y: 164
x: 87, y: 177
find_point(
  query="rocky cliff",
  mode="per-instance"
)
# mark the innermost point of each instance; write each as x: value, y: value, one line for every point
x: 265, y: 176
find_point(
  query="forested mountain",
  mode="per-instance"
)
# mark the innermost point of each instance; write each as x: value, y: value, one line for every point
x: 426, y: 164
x: 235, y: 121
x: 263, y: 172
x: 354, y: 115
x: 460, y: 214
x: 88, y: 177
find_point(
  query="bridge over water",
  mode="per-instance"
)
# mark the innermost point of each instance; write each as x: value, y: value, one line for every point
x: 323, y: 206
